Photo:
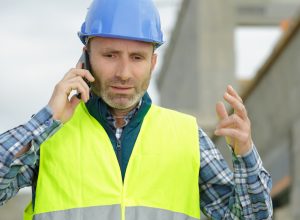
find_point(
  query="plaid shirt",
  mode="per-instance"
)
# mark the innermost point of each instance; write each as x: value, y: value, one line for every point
x: 242, y: 194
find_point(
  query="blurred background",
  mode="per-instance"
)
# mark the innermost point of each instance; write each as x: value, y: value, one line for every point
x: 253, y: 45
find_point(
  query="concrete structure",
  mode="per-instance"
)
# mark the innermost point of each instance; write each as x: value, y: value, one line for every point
x: 265, y: 12
x: 199, y: 61
x: 273, y: 105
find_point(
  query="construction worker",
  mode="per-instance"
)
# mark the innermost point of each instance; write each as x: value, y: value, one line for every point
x: 109, y: 153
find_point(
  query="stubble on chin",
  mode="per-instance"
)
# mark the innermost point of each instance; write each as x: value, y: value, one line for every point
x: 119, y: 101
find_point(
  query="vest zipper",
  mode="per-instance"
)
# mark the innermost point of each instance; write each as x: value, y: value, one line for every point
x: 119, y: 152
x: 119, y: 157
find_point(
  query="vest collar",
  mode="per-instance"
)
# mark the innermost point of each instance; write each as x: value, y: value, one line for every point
x: 99, y: 110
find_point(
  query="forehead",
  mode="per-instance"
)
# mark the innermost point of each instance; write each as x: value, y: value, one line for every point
x: 120, y: 44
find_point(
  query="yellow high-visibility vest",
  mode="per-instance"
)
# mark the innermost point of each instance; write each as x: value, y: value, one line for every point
x: 80, y: 178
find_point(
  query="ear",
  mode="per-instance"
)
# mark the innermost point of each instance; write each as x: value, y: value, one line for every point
x: 153, y: 61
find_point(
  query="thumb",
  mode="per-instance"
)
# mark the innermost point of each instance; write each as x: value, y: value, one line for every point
x: 221, y: 110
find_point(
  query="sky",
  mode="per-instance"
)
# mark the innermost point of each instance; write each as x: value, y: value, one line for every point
x: 39, y: 44
x: 253, y: 45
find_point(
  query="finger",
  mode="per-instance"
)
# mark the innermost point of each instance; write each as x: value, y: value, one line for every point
x: 85, y: 95
x: 233, y: 121
x: 86, y: 74
x: 221, y: 110
x: 74, y: 101
x: 82, y: 82
x: 76, y: 85
x: 232, y: 92
x: 79, y: 72
x: 232, y: 133
x: 67, y: 86
x: 238, y: 107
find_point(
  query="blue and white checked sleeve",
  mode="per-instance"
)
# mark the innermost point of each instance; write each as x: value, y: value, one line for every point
x: 17, y: 172
x: 241, y: 194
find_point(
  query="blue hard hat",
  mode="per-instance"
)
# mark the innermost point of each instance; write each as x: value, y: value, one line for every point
x: 124, y: 19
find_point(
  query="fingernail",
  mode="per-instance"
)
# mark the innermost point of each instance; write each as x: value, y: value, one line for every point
x: 216, y: 132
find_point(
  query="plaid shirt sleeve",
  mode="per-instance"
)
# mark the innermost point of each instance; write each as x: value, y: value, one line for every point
x: 17, y: 172
x: 241, y: 194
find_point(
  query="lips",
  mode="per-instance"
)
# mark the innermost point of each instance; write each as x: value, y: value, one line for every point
x: 121, y: 89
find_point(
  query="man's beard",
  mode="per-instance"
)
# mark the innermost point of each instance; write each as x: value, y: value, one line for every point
x: 120, y: 101
x: 129, y: 100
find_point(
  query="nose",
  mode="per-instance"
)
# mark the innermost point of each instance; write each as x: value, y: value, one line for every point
x: 124, y: 70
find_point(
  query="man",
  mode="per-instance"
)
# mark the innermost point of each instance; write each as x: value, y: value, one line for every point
x: 113, y: 155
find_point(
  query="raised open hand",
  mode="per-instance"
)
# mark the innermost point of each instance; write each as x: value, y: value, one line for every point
x: 236, y: 128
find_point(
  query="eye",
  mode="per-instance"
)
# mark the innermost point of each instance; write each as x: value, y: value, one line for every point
x: 109, y: 55
x: 137, y: 57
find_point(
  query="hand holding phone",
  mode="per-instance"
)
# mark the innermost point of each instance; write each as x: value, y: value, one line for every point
x: 62, y: 102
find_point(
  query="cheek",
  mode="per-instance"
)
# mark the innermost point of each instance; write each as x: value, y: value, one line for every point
x: 99, y: 67
x: 144, y: 81
x: 99, y: 82
x: 101, y: 74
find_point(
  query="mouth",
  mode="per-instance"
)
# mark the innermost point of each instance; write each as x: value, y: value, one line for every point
x: 121, y: 89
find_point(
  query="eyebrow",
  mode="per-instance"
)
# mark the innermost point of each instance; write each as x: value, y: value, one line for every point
x: 113, y: 50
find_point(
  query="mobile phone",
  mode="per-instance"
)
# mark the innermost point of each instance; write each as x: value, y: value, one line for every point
x: 86, y: 65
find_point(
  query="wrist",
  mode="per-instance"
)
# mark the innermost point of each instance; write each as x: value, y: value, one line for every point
x: 244, y: 150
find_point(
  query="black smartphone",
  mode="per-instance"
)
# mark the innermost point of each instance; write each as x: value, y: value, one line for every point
x: 86, y: 65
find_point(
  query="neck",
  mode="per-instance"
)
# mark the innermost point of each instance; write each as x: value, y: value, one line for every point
x: 120, y: 114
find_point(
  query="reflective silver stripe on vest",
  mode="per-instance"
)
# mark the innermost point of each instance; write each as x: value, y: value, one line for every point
x: 88, y: 213
x: 146, y: 213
